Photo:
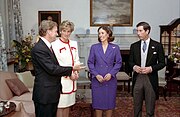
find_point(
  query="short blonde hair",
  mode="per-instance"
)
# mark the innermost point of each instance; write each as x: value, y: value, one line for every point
x: 66, y: 24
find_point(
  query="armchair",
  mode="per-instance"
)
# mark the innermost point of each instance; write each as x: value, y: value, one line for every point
x: 162, y: 81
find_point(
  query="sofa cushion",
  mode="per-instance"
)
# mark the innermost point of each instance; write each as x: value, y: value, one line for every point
x: 17, y: 86
x: 27, y: 78
x: 5, y: 92
x: 25, y: 97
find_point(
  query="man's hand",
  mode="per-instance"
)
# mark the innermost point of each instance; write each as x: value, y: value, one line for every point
x: 74, y: 76
x: 100, y: 78
x: 146, y: 70
x: 78, y: 67
x: 137, y: 69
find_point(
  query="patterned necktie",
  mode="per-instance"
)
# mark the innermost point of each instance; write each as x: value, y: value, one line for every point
x: 144, y: 46
x: 51, y: 49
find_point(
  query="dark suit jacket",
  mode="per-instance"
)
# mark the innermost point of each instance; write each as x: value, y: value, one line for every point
x: 155, y: 59
x: 47, y: 85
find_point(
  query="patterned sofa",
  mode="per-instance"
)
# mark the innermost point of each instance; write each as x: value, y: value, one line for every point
x: 17, y: 88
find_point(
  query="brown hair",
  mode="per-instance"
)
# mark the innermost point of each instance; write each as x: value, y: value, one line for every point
x: 145, y: 25
x: 108, y: 30
x: 46, y: 25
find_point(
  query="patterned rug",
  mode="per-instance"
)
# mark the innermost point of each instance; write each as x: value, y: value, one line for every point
x: 124, y: 108
x: 169, y: 108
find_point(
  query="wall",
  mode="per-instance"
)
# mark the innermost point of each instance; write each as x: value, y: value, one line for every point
x: 156, y: 12
x: 85, y: 41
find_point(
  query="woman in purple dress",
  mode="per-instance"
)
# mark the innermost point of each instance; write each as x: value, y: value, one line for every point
x: 104, y: 62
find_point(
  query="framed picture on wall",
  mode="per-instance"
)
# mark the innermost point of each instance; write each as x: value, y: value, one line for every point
x: 113, y: 13
x: 50, y: 15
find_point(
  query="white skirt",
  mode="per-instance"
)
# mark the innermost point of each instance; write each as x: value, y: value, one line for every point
x: 66, y: 100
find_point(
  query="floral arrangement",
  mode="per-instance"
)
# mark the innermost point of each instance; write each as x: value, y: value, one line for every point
x: 175, y: 56
x: 23, y: 51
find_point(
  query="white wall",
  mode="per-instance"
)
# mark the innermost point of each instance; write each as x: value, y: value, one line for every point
x: 156, y: 12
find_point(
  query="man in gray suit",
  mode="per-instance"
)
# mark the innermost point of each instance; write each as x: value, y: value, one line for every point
x: 146, y: 58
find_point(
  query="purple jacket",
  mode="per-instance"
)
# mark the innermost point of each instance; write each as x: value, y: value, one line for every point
x: 100, y: 63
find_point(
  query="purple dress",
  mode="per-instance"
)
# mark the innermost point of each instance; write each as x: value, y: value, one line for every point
x: 104, y: 94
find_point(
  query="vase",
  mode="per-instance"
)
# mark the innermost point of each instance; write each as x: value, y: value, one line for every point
x: 29, y: 66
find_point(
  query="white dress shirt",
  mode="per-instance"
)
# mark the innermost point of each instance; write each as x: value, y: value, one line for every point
x: 144, y: 54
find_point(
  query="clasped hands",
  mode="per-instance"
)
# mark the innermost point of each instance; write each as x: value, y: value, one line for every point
x: 107, y: 77
x: 142, y: 70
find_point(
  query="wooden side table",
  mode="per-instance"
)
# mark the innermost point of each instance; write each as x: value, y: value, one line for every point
x: 177, y: 81
x: 6, y: 107
x: 173, y: 80
x: 123, y: 77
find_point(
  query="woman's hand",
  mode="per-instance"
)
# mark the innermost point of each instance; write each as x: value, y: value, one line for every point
x: 100, y: 78
x: 107, y: 77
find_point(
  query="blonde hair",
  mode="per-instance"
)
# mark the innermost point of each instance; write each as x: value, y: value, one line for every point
x: 66, y: 24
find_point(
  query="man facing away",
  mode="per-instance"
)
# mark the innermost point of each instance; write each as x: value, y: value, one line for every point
x: 48, y: 72
x: 146, y: 58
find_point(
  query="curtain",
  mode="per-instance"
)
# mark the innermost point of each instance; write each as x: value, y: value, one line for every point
x: 17, y: 20
x: 3, y: 53
x: 13, y: 27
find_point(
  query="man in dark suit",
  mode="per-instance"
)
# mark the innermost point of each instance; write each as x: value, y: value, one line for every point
x: 48, y: 72
x: 146, y: 58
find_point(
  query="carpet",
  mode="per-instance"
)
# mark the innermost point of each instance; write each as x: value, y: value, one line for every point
x: 124, y: 108
x: 169, y: 108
